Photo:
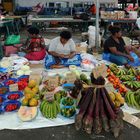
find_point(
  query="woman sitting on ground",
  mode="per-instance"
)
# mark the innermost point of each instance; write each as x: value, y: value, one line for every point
x: 116, y: 48
x: 34, y: 48
x: 62, y: 47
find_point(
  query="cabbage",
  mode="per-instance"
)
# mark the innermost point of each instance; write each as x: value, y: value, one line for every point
x: 20, y: 72
x: 25, y: 68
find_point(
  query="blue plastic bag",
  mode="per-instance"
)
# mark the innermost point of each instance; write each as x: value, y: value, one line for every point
x: 49, y: 61
x: 136, y: 60
x: 106, y: 56
x: 76, y: 60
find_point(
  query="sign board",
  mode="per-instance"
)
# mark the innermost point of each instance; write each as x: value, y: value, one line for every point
x: 13, y: 87
x: 70, y: 77
x: 53, y: 81
x: 100, y: 71
x: 49, y: 96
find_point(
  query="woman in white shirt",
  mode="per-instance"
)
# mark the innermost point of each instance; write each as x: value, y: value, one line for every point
x: 63, y: 46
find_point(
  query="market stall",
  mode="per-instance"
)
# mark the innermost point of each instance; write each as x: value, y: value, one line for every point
x: 52, y: 97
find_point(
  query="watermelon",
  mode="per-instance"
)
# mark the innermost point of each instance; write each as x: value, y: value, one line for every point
x: 27, y: 113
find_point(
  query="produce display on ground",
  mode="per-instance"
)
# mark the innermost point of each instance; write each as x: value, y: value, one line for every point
x: 72, y: 95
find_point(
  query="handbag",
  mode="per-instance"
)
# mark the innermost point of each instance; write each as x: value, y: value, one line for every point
x: 12, y: 39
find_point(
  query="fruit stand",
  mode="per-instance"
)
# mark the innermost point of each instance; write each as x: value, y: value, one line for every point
x: 93, y: 100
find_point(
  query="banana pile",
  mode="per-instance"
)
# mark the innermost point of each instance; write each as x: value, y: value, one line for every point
x: 114, y: 68
x: 49, y: 109
x: 133, y: 99
x: 132, y: 84
x: 126, y: 77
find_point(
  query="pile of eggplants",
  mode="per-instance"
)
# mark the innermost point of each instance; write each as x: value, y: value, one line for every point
x: 97, y: 112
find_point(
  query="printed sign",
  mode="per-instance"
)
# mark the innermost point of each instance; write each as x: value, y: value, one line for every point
x: 70, y: 78
x: 49, y: 96
x: 53, y: 81
x: 13, y: 87
x: 100, y: 71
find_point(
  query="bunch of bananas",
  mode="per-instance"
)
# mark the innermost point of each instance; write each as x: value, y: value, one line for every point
x: 132, y: 84
x: 133, y: 99
x: 114, y: 68
x: 121, y: 72
x: 132, y: 71
x: 50, y: 109
x: 127, y: 77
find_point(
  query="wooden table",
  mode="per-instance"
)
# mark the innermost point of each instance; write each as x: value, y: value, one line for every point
x: 63, y: 20
x: 126, y: 21
x: 5, y: 24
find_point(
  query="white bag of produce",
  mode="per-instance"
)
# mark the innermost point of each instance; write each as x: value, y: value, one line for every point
x: 86, y: 56
x: 92, y: 34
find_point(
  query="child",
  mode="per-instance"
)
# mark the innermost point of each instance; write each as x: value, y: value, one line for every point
x: 35, y: 46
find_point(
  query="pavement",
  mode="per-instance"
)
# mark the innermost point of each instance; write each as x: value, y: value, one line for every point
x: 67, y: 132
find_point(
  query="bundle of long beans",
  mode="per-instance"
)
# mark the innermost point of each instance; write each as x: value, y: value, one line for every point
x: 96, y: 110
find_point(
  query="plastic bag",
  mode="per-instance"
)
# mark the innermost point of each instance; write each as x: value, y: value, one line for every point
x: 12, y: 39
x: 76, y: 60
x: 92, y: 34
x: 49, y: 61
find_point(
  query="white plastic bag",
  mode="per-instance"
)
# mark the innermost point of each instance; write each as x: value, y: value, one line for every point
x: 92, y: 34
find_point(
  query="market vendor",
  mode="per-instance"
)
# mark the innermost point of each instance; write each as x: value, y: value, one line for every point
x: 115, y: 46
x: 62, y: 47
x: 34, y: 48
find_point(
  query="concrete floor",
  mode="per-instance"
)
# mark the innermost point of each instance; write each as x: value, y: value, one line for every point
x: 67, y: 133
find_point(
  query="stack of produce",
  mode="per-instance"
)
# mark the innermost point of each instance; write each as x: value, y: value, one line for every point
x: 50, y: 109
x: 24, y: 70
x: 117, y: 83
x: 59, y: 95
x: 133, y: 99
x: 117, y: 98
x: 68, y: 107
x: 97, y: 111
x: 129, y: 76
x: 30, y: 93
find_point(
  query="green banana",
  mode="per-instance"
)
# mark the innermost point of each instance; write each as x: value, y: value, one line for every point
x: 134, y: 103
x: 42, y: 104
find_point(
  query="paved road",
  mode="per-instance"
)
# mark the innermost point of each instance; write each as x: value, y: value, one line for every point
x: 66, y: 133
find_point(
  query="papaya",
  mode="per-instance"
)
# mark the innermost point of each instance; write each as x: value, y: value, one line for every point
x: 27, y: 113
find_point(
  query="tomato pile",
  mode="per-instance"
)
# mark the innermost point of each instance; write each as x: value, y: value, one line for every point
x: 14, y: 96
x: 11, y: 107
x: 22, y: 85
x: 10, y: 82
x: 117, y: 83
